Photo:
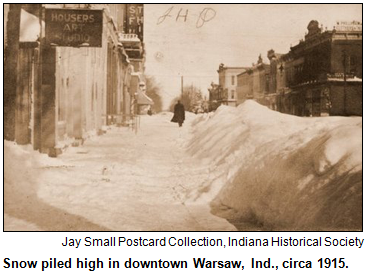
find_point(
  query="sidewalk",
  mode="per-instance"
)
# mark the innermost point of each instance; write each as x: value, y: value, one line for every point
x: 122, y: 181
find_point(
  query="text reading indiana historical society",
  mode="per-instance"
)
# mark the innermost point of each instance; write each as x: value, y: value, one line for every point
x: 206, y: 241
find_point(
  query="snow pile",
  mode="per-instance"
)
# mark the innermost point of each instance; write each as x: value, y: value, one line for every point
x: 17, y: 183
x: 280, y: 172
x: 18, y: 156
x: 22, y: 168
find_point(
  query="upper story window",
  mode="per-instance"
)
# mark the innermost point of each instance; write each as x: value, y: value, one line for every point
x: 232, y: 80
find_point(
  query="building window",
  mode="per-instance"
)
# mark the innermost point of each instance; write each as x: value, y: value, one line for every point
x: 233, y: 94
x: 233, y: 80
x: 352, y: 65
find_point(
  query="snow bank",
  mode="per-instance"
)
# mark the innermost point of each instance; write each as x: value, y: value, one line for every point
x: 17, y: 156
x: 21, y: 170
x: 280, y: 172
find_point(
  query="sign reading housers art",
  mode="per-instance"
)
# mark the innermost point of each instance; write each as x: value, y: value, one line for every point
x: 74, y: 28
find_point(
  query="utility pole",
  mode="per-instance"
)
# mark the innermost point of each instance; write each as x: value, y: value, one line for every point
x: 344, y: 55
x: 10, y: 70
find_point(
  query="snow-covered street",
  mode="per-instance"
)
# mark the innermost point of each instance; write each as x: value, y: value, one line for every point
x: 117, y: 181
x: 253, y: 167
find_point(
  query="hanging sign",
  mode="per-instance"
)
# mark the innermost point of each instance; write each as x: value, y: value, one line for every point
x: 74, y: 27
x: 135, y: 20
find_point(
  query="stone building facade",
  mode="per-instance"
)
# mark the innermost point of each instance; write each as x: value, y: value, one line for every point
x: 320, y: 76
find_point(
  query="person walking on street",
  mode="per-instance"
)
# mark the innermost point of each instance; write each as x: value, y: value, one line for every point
x: 179, y: 114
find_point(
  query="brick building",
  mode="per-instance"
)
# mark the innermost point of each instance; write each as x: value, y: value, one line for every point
x: 253, y: 83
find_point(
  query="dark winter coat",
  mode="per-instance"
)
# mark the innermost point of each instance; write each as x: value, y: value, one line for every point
x: 179, y: 114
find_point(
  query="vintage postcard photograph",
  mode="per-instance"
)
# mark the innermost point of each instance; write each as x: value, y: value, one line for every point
x: 183, y: 117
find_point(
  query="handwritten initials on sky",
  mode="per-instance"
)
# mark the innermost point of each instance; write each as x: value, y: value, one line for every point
x: 206, y: 15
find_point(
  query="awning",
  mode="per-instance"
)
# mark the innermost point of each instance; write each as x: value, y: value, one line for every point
x: 143, y: 99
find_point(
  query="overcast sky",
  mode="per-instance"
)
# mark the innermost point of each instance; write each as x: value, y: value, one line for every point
x: 235, y: 36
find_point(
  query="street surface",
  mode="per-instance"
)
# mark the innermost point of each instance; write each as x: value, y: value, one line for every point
x: 120, y: 181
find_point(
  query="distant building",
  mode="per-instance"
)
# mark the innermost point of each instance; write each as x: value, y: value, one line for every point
x: 227, y: 84
x: 253, y: 83
x: 276, y: 81
x: 244, y: 89
x: 320, y: 76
